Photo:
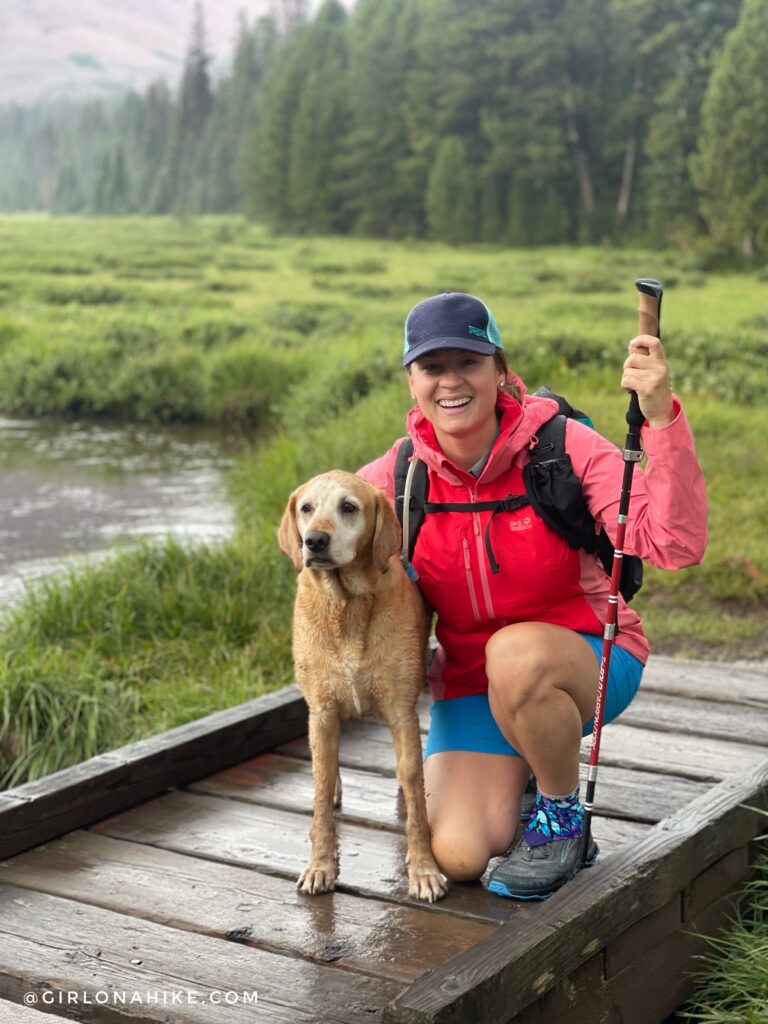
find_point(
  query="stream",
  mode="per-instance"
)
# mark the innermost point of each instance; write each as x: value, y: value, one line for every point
x: 72, y: 491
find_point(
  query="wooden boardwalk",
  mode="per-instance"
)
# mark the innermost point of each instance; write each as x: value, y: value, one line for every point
x: 158, y: 882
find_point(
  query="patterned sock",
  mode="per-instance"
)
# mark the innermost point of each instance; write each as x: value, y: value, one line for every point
x: 554, y: 817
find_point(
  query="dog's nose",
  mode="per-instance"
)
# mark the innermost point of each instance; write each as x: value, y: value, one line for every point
x: 317, y: 541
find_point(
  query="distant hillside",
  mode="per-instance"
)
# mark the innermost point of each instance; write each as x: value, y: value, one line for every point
x: 51, y: 50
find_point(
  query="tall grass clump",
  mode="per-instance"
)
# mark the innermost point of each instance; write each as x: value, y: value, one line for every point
x: 158, y: 636
x: 734, y: 986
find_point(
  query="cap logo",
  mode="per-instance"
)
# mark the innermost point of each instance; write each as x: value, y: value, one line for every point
x: 478, y: 331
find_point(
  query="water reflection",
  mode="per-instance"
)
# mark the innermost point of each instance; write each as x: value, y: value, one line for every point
x: 73, y: 490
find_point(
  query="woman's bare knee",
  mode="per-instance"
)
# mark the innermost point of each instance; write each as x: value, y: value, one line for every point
x: 520, y: 654
x: 527, y: 662
x: 459, y: 858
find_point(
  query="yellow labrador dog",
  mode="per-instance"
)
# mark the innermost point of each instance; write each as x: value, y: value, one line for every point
x: 359, y: 636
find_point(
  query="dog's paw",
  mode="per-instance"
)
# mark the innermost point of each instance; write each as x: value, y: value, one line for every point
x: 317, y: 878
x: 426, y: 883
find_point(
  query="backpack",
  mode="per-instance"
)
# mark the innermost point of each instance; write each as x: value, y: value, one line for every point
x: 551, y: 488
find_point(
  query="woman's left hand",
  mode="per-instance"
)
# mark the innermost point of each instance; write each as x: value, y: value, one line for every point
x: 646, y: 372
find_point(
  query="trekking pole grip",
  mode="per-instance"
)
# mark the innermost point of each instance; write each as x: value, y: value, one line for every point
x: 649, y: 292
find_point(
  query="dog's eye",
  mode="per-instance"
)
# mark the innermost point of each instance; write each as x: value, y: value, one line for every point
x: 348, y: 508
x: 306, y: 508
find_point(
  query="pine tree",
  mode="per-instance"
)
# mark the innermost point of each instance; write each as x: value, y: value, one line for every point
x: 695, y: 33
x: 450, y: 199
x: 176, y: 188
x: 228, y: 130
x: 247, y: 162
x: 67, y: 195
x: 195, y: 96
x: 152, y: 149
x: 731, y: 167
x: 320, y: 127
x: 119, y: 190
x: 103, y: 191
x: 268, y: 193
x: 381, y: 43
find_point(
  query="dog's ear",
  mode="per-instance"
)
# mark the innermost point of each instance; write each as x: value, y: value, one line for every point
x: 288, y: 536
x: 386, y: 537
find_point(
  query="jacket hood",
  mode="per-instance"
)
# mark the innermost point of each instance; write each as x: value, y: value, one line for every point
x: 518, y: 424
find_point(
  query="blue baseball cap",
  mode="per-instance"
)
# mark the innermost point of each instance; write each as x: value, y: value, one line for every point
x: 450, y: 320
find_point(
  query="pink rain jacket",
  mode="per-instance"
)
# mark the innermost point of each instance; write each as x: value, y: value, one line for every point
x: 541, y: 578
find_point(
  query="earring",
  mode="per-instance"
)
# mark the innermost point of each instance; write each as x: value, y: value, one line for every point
x: 501, y: 383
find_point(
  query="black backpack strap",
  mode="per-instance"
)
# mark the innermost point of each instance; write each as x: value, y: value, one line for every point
x: 556, y: 495
x: 563, y: 405
x: 555, y: 490
x: 417, y: 488
x: 405, y: 467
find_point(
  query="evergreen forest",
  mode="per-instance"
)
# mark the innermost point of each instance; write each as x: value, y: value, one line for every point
x: 512, y: 122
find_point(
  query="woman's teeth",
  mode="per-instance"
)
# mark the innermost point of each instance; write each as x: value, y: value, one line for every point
x: 453, y: 403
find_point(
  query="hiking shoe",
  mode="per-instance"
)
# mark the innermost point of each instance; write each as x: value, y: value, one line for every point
x: 534, y: 873
x: 529, y: 799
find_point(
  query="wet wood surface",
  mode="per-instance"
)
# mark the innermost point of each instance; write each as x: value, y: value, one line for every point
x: 277, y: 781
x: 242, y: 905
x: 82, y: 948
x: 371, y: 861
x: 195, y: 886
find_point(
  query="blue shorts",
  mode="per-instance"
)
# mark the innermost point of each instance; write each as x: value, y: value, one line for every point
x: 466, y: 723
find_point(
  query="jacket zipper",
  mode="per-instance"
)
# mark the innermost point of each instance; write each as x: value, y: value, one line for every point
x: 481, y: 558
x: 472, y: 594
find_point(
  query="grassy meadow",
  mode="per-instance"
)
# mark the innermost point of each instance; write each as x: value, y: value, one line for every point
x: 297, y: 342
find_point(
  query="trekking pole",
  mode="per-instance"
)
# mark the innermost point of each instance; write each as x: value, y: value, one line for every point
x: 649, y: 312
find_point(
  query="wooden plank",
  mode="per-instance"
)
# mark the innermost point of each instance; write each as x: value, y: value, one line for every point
x: 18, y: 1013
x: 364, y: 745
x: 698, y: 717
x: 693, y: 757
x: 38, y: 811
x: 708, y: 680
x: 568, y: 996
x: 648, y: 989
x: 277, y: 781
x: 722, y: 876
x: 242, y: 905
x: 647, y: 933
x: 286, y: 782
x: 518, y: 963
x: 655, y: 985
x: 55, y: 944
x: 372, y: 861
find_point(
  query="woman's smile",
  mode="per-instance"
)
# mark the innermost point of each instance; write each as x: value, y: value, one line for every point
x: 454, y: 404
